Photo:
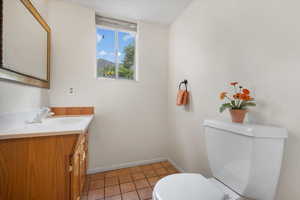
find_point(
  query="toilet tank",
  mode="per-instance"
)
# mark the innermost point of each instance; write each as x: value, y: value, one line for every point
x: 247, y: 158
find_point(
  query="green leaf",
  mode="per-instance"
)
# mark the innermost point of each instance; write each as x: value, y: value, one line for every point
x: 224, y: 106
x: 245, y: 104
x: 233, y: 104
x: 250, y: 104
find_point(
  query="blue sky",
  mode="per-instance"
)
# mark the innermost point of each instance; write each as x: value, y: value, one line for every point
x: 106, y: 44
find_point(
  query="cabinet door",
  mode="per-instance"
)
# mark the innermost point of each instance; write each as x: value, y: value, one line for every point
x: 82, y: 169
x: 86, y: 149
x: 75, y: 175
x: 78, y: 168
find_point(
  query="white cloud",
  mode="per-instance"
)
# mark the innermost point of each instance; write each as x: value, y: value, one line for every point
x: 112, y: 53
x: 99, y: 37
x: 102, y: 53
x: 128, y: 36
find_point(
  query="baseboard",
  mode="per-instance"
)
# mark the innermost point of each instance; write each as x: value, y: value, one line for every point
x: 176, y: 165
x: 133, y: 164
x: 125, y: 165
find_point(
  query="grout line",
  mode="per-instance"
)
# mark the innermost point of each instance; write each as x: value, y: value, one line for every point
x: 126, y: 165
x: 130, y: 173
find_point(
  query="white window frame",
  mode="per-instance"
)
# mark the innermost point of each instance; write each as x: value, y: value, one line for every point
x: 116, y: 31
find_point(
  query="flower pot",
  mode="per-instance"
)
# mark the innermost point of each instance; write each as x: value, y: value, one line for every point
x: 238, y: 115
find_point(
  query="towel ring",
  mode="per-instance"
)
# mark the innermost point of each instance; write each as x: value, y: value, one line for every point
x: 185, y: 82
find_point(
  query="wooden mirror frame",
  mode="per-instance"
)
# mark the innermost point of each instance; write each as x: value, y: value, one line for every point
x: 17, y: 77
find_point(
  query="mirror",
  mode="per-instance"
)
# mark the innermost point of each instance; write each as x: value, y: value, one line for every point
x: 25, y: 44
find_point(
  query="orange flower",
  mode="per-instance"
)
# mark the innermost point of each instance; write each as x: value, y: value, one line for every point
x: 246, y: 91
x: 249, y: 98
x: 237, y: 96
x: 234, y: 83
x: 244, y: 97
x: 223, y: 95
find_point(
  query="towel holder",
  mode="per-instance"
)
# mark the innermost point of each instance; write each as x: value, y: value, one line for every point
x: 185, y: 82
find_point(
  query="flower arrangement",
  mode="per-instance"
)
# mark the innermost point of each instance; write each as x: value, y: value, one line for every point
x: 238, y: 102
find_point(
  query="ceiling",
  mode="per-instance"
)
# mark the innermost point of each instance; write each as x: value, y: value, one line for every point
x: 159, y: 11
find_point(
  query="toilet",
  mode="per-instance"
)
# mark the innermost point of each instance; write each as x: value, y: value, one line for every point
x: 245, y: 161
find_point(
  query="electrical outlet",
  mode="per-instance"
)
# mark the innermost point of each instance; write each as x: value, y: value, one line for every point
x: 71, y: 91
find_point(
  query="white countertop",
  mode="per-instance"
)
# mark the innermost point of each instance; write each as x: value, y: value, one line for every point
x: 50, y: 126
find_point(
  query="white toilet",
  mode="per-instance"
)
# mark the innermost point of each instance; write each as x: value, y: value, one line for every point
x: 245, y: 161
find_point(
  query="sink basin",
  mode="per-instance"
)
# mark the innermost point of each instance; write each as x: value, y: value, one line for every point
x: 49, y: 126
x: 65, y: 120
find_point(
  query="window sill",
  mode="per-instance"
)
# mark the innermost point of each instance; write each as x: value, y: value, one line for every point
x: 114, y: 79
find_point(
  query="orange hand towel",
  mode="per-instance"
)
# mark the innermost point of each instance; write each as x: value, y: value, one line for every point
x: 182, y: 97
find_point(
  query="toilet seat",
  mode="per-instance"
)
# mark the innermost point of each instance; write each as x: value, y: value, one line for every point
x: 186, y: 187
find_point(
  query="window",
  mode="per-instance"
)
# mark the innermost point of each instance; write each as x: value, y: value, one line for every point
x: 116, y: 48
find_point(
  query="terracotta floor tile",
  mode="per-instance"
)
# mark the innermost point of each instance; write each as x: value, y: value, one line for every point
x: 118, y: 171
x: 124, y: 171
x: 171, y: 168
x: 138, y: 176
x: 153, y: 180
x: 127, y: 187
x: 142, y: 183
x: 161, y: 171
x: 96, y: 194
x: 157, y: 165
x: 145, y: 193
x: 166, y: 164
x: 96, y: 176
x: 111, y: 173
x: 97, y: 184
x: 135, y: 169
x: 86, y: 188
x: 84, y: 198
x: 172, y: 171
x: 135, y: 183
x: 130, y: 196
x: 163, y: 176
x: 112, y: 191
x: 150, y: 173
x: 125, y: 178
x: 118, y: 197
x: 110, y: 181
x: 146, y: 167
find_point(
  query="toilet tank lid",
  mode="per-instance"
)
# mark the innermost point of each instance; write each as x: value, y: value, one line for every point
x: 247, y: 129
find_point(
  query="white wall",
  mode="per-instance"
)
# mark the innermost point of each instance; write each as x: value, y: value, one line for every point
x: 130, y: 123
x: 255, y: 42
x: 18, y: 98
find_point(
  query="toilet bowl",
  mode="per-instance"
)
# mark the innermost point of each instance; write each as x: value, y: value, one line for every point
x: 244, y: 160
x: 191, y: 187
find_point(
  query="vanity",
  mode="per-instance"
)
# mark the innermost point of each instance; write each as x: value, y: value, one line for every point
x: 48, y: 160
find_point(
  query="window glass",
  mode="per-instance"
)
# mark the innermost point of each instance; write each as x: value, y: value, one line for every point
x: 106, y: 56
x: 116, y: 52
x: 126, y: 55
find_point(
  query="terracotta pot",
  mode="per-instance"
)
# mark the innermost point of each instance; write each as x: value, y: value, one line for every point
x: 238, y: 116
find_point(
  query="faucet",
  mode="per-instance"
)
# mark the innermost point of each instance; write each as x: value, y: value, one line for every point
x: 42, y: 114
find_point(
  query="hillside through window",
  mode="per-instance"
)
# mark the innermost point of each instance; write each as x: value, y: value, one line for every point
x: 116, y: 52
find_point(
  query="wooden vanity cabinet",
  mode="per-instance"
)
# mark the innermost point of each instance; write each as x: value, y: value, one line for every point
x: 43, y: 168
x: 78, y: 167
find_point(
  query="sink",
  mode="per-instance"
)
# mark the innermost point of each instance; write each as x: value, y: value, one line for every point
x: 65, y: 120
x: 49, y: 126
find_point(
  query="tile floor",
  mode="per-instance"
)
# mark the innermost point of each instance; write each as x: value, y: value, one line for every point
x: 135, y: 183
